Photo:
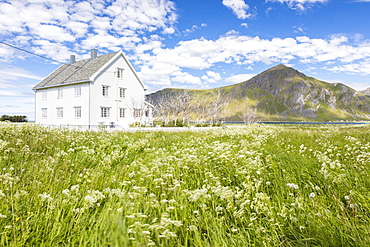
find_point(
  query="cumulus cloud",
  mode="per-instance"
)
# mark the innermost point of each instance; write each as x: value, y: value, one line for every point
x: 239, y: 7
x: 211, y: 77
x: 300, y: 4
x: 353, y: 68
x: 85, y: 24
x: 185, y: 78
x: 158, y: 73
x: 239, y: 78
x: 194, y: 28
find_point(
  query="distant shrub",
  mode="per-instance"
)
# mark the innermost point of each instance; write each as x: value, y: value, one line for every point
x: 14, y: 119
x: 175, y: 123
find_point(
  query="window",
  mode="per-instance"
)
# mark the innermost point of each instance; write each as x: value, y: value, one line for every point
x: 120, y: 73
x: 122, y: 92
x: 44, y: 95
x: 59, y: 112
x: 122, y: 112
x: 44, y: 112
x: 105, y: 112
x: 60, y: 93
x: 105, y: 91
x: 77, y: 91
x: 147, y: 113
x: 137, y: 113
x: 77, y: 111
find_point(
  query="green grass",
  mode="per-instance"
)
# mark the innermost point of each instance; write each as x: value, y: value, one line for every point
x: 247, y: 186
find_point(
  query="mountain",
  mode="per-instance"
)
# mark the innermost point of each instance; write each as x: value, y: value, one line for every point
x: 282, y: 93
x: 366, y: 91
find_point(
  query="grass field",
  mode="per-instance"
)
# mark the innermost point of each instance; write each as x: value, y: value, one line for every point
x: 250, y: 186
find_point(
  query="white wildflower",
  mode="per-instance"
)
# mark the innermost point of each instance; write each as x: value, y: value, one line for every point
x: 66, y: 192
x: 45, y: 197
x: 312, y: 195
x: 197, y: 194
x: 75, y: 187
x: 93, y: 197
x: 293, y: 186
x: 192, y: 228
x: 167, y: 234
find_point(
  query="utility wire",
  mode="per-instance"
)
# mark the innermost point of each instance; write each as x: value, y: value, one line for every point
x: 32, y: 53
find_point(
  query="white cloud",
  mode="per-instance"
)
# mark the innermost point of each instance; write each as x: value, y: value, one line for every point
x: 108, y: 24
x: 194, y: 28
x: 158, y: 73
x: 185, y: 78
x: 239, y: 78
x: 299, y: 4
x: 51, y: 32
x: 239, y: 7
x: 362, y: 68
x: 14, y: 73
x: 9, y: 93
x: 211, y: 77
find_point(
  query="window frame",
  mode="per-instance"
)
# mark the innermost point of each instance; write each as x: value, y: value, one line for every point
x: 44, y: 95
x: 60, y: 93
x: 60, y: 112
x: 120, y: 73
x: 105, y: 112
x: 77, y: 111
x: 137, y: 113
x: 105, y: 91
x: 122, y: 112
x: 78, y: 91
x: 44, y: 112
x: 122, y: 92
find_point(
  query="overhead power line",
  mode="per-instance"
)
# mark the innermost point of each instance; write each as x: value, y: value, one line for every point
x: 29, y: 52
x: 34, y: 54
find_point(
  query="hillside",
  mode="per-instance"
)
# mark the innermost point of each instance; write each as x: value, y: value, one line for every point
x: 366, y: 92
x: 282, y: 93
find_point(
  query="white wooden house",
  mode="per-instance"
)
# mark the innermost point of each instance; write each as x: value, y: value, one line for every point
x: 100, y: 91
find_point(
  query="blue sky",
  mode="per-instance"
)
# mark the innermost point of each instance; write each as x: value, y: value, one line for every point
x: 196, y: 44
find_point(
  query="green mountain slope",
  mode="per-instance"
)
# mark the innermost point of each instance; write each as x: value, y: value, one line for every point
x: 283, y: 93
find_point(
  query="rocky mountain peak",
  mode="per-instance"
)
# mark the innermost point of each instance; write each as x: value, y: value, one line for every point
x: 366, y: 91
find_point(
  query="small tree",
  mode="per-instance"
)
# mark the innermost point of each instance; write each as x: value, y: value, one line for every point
x: 171, y: 106
x: 137, y: 109
x: 218, y: 106
x: 249, y: 115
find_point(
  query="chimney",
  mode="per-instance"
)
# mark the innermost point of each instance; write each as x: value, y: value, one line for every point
x: 72, y: 59
x: 94, y: 54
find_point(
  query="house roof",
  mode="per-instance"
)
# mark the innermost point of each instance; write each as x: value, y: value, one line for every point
x: 80, y: 71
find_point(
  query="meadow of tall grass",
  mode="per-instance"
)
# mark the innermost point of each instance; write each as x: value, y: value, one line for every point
x: 257, y: 185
